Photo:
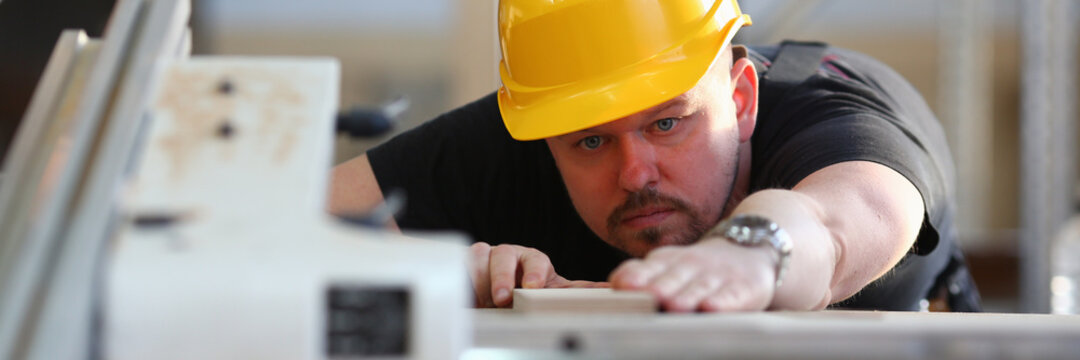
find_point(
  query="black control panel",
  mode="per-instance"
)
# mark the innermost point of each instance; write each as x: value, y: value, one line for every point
x: 366, y: 321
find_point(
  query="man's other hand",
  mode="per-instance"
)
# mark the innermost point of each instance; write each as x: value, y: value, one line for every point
x: 712, y: 275
x: 496, y: 270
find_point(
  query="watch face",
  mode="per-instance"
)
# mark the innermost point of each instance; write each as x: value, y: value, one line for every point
x: 753, y: 222
x: 750, y: 230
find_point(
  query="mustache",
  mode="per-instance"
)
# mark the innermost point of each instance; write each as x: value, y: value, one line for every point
x: 643, y: 198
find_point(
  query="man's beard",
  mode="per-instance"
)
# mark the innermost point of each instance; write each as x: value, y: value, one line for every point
x: 693, y: 231
x: 652, y: 236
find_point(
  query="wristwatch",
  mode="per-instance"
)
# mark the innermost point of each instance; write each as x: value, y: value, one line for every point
x: 754, y: 230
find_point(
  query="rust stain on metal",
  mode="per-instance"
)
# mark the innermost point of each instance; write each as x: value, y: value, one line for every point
x: 284, y: 109
x: 284, y: 149
x: 195, y: 98
x: 188, y: 97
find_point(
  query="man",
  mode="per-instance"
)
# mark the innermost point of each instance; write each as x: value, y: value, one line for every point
x: 627, y: 145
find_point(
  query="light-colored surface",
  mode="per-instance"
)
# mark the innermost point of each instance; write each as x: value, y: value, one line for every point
x: 68, y: 307
x: 780, y: 335
x: 39, y: 152
x: 583, y: 300
x: 965, y: 91
x: 274, y: 109
x: 475, y: 70
x: 27, y: 334
x: 244, y: 269
x: 32, y: 139
x: 1065, y: 269
x: 1048, y: 139
x: 215, y: 288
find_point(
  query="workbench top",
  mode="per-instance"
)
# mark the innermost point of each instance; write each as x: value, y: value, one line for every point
x: 772, y: 335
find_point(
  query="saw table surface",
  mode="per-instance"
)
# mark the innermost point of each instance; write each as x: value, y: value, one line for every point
x: 829, y: 334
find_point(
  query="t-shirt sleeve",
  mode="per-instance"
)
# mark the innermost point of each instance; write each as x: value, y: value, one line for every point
x: 850, y: 116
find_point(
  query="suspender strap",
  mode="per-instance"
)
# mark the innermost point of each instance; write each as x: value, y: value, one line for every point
x: 795, y: 62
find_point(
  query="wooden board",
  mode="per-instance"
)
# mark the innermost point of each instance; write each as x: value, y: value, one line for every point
x: 583, y: 300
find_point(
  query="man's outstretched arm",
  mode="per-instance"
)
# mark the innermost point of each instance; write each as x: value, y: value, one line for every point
x: 850, y: 223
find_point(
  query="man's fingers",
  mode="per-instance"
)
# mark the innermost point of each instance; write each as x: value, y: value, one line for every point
x: 561, y: 283
x: 721, y: 301
x: 503, y: 267
x: 536, y: 269
x: 497, y: 270
x: 478, y: 273
x: 691, y: 296
x: 588, y: 284
x: 634, y: 274
x: 666, y: 284
x: 738, y: 297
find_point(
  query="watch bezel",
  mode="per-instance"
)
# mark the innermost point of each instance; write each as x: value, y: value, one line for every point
x: 755, y: 230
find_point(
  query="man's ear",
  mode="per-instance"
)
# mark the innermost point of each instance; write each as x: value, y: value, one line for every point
x: 744, y: 85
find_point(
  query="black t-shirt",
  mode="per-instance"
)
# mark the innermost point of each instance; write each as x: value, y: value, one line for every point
x: 462, y: 171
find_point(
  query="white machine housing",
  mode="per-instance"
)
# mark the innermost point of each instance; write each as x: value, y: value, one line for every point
x: 159, y: 206
x: 226, y: 252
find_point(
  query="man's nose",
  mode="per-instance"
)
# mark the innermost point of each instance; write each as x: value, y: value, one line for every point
x: 638, y: 164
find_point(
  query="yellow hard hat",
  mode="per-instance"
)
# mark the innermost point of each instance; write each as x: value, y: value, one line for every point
x: 569, y: 65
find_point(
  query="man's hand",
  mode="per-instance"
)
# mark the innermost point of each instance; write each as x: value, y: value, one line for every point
x: 496, y: 271
x: 712, y: 275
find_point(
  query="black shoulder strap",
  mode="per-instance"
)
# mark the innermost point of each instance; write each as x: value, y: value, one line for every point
x: 795, y: 62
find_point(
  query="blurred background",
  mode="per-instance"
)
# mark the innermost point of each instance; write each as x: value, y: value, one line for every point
x: 1000, y: 74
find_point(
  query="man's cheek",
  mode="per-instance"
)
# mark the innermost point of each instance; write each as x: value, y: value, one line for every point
x: 601, y: 220
x: 593, y: 215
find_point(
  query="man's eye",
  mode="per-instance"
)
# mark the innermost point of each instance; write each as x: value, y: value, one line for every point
x: 666, y: 124
x: 591, y: 142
